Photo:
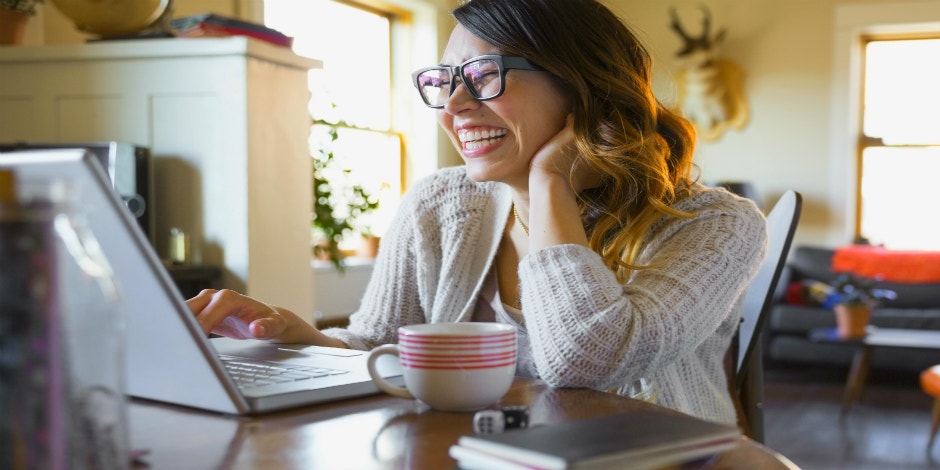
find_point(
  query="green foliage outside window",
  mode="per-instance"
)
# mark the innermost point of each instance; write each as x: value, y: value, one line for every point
x: 337, y: 203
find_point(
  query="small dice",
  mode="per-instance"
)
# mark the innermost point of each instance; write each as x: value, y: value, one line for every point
x: 496, y: 421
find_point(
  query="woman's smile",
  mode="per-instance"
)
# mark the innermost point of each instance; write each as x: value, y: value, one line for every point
x: 478, y: 139
x: 498, y: 137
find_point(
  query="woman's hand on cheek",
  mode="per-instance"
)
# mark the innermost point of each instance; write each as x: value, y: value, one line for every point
x: 558, y: 158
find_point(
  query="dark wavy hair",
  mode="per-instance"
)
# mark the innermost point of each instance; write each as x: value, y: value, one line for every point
x: 644, y: 149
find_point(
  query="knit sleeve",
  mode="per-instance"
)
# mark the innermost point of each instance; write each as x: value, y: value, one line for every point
x: 429, y: 261
x: 391, y: 298
x: 588, y: 330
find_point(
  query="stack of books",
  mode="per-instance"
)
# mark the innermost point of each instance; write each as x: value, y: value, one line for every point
x: 212, y: 25
x: 636, y: 440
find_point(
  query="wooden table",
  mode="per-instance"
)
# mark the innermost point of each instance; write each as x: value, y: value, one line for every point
x: 875, y: 337
x: 377, y: 432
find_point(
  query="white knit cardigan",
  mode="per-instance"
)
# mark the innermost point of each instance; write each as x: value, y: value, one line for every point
x: 671, y: 323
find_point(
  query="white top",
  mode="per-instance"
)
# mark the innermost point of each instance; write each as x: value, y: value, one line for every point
x: 671, y: 324
x: 490, y: 308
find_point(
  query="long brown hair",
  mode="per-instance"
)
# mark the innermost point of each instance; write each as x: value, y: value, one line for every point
x: 621, y: 129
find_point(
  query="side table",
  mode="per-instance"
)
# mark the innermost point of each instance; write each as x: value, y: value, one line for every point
x: 876, y: 337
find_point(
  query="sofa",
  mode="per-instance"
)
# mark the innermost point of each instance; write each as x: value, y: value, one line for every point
x: 791, y: 317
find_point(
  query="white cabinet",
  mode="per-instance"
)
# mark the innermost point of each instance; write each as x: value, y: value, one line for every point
x: 227, y: 124
x: 338, y: 295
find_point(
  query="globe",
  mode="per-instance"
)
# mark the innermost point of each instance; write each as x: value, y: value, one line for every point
x: 114, y: 17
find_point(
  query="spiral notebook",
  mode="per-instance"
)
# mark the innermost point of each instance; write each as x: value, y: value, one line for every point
x: 168, y: 357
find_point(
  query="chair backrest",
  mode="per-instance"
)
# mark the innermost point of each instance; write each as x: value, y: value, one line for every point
x: 744, y: 361
x: 781, y: 224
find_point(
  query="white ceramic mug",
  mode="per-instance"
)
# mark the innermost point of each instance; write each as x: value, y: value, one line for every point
x: 452, y: 366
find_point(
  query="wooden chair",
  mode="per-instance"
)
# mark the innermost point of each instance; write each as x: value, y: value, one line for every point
x: 745, y: 359
x: 930, y: 384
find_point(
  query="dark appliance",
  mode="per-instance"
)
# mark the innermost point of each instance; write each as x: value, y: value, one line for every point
x: 129, y: 166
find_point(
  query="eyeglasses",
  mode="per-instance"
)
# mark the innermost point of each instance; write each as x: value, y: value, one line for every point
x: 484, y: 77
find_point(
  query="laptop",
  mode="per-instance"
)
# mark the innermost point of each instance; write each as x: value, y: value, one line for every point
x: 169, y: 358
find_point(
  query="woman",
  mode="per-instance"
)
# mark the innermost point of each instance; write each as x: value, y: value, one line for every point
x: 575, y: 217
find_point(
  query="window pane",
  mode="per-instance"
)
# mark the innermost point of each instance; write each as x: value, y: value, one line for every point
x: 899, y: 197
x: 354, y: 87
x: 379, y: 174
x: 902, y: 98
x: 356, y: 66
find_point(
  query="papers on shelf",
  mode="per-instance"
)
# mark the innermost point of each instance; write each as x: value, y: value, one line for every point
x: 212, y: 25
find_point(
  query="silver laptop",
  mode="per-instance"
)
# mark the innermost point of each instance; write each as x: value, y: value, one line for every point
x: 169, y: 358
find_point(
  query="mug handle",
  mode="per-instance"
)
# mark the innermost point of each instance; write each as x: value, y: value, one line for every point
x: 380, y: 381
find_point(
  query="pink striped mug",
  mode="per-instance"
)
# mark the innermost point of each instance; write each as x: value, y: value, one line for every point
x: 452, y: 366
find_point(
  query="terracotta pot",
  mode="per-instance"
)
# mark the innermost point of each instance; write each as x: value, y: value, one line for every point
x: 321, y: 250
x: 851, y: 320
x: 12, y: 26
x: 369, y: 247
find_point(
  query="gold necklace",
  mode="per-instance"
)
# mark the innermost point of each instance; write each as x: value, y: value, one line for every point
x: 519, y: 219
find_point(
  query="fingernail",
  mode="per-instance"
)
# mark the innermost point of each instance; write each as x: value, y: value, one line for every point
x: 261, y: 330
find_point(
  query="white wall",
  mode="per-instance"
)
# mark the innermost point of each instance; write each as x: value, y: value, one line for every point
x: 795, y: 59
x: 796, y: 62
x: 415, y: 47
x: 428, y: 149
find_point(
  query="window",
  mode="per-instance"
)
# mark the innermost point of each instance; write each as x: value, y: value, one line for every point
x: 354, y: 89
x: 899, y: 151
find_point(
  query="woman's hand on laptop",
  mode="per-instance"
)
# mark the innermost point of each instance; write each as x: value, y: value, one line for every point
x: 227, y: 313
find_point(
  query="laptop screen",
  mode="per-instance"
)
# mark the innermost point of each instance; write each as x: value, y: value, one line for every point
x: 168, y: 357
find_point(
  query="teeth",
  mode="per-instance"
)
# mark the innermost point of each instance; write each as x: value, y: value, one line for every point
x: 479, y: 144
x: 479, y: 138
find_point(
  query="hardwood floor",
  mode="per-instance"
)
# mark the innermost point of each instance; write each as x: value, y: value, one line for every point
x: 886, y: 430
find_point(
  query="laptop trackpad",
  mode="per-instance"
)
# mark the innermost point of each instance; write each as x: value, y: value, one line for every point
x: 348, y: 359
x: 301, y: 350
x: 262, y: 350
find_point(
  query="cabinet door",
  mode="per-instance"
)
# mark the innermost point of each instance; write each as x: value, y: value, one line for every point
x: 227, y: 126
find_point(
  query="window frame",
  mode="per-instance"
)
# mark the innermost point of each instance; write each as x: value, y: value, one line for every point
x: 850, y: 23
x: 864, y: 141
x: 396, y: 18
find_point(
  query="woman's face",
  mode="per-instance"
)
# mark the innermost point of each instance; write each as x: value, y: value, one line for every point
x: 497, y: 138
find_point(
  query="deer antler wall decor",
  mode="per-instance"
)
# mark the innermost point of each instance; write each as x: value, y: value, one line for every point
x: 710, y: 87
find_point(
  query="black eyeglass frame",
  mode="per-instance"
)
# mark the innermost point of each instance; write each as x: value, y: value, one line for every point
x: 503, y: 65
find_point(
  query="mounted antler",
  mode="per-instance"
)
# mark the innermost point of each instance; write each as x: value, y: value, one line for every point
x: 700, y: 43
x: 710, y: 88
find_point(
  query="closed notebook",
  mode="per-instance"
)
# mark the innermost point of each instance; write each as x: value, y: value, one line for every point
x: 635, y: 440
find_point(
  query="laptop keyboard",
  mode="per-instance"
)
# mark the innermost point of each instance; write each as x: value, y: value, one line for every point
x: 255, y: 374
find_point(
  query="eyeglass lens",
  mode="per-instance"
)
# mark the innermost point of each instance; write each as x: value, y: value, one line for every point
x: 482, y: 77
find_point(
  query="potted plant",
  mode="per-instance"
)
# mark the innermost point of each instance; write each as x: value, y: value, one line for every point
x: 336, y: 203
x: 852, y: 299
x: 13, y: 17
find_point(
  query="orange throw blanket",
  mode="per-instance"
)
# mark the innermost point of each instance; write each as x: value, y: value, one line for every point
x: 888, y: 265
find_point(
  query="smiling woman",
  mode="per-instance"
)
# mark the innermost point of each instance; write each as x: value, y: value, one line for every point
x: 576, y: 218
